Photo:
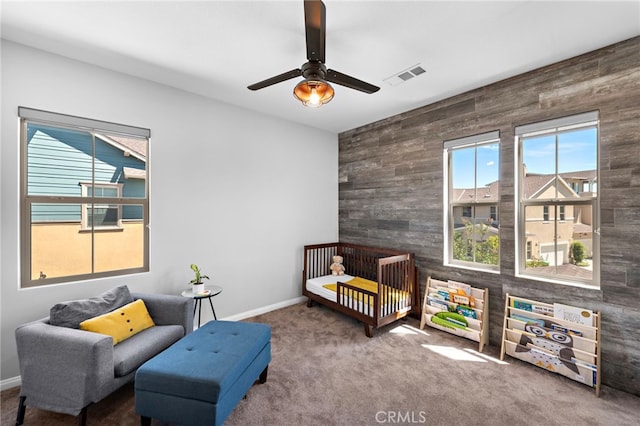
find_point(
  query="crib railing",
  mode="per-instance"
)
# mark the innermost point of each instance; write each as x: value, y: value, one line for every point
x: 395, y: 284
x: 393, y: 270
x: 317, y: 260
x: 358, y: 260
x: 364, y: 304
x: 385, y: 266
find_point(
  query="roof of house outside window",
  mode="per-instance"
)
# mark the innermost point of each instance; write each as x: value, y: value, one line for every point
x: 136, y: 147
x: 533, y: 184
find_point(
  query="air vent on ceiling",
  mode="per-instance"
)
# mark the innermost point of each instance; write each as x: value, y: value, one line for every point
x: 405, y: 75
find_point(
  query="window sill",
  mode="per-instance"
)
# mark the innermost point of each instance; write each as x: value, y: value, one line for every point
x: 588, y: 286
x: 470, y: 267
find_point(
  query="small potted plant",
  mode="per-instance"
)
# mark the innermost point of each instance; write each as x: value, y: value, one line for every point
x: 197, y: 284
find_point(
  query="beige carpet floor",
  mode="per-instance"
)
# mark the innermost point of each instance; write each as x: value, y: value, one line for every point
x: 324, y: 371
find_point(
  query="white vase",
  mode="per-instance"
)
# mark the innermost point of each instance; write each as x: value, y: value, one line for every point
x: 197, y: 288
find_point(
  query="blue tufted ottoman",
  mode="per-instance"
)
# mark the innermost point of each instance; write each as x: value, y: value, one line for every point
x: 201, y: 378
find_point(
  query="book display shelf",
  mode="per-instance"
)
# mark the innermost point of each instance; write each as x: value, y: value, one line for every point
x: 559, y: 338
x: 457, y: 308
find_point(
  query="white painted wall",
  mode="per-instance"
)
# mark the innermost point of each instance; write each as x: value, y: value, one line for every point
x: 236, y: 192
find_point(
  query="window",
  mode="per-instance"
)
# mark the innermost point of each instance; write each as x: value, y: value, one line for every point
x: 101, y: 216
x: 557, y: 208
x: 85, y: 198
x: 472, y: 194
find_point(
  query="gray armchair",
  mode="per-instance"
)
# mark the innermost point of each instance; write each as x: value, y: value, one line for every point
x: 66, y: 369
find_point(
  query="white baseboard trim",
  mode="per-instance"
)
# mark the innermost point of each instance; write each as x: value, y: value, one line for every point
x: 10, y: 383
x: 16, y: 381
x: 265, y: 309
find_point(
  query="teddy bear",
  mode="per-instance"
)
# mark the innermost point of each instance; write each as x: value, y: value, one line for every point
x: 337, y: 268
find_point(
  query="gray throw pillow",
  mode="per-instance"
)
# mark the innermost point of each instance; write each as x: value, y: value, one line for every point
x: 72, y: 313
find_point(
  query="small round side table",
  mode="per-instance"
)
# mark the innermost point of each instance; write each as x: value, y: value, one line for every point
x: 209, y: 292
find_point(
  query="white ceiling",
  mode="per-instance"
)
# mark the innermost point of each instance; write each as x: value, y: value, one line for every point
x: 218, y: 48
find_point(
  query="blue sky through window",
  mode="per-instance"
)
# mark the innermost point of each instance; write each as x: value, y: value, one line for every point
x: 465, y: 167
x: 576, y: 152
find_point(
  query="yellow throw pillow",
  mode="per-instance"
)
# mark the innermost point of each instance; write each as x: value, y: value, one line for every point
x: 122, y: 323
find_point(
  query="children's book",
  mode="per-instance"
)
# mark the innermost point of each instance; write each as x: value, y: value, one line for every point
x: 444, y: 294
x: 438, y: 303
x: 558, y: 327
x: 463, y: 300
x: 466, y: 288
x: 532, y: 307
x: 528, y: 319
x: 467, y: 312
x: 573, y: 314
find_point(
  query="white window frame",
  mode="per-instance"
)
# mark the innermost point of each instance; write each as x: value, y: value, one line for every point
x: 550, y: 127
x: 94, y: 128
x: 84, y: 213
x: 449, y: 204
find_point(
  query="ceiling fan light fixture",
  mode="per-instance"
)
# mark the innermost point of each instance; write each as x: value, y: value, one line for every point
x: 313, y: 93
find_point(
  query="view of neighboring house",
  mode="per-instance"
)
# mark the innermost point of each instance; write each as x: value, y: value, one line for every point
x: 567, y: 222
x: 484, y: 213
x: 97, y: 236
x: 550, y: 229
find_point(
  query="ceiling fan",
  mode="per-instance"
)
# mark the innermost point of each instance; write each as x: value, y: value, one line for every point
x: 315, y: 90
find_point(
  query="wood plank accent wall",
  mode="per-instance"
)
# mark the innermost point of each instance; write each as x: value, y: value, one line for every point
x: 391, y: 187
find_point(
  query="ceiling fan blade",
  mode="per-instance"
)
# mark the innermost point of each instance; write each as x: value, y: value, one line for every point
x: 277, y: 79
x: 315, y: 19
x: 350, y: 82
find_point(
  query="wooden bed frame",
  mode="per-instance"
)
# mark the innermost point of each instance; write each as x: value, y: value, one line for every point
x: 394, y: 268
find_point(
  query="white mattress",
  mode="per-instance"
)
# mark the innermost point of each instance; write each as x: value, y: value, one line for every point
x: 315, y: 286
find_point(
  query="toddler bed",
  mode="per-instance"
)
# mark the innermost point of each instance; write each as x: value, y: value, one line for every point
x: 379, y: 287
